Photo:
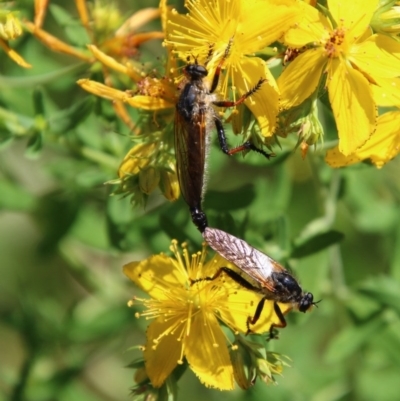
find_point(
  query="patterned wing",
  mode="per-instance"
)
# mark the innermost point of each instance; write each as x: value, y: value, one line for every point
x: 190, y: 151
x: 250, y: 260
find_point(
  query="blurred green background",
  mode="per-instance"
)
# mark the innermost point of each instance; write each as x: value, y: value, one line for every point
x: 65, y: 327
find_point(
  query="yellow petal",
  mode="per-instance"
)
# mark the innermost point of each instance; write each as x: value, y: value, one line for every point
x: 387, y: 92
x: 149, y: 102
x: 375, y: 58
x: 354, y: 14
x: 137, y: 20
x: 162, y: 358
x: 81, y: 6
x: 207, y: 352
x: 102, y: 90
x: 383, y: 145
x: 142, y: 102
x: 264, y: 102
x: 14, y: 55
x: 300, y: 79
x: 110, y: 62
x: 156, y: 275
x: 388, y: 44
x: 337, y: 159
x: 353, y: 106
x: 40, y: 11
x: 259, y: 28
x: 313, y: 27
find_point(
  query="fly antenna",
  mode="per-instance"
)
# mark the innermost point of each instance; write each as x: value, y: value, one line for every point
x: 316, y: 302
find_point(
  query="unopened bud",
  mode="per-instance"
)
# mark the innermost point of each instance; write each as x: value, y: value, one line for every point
x: 169, y: 185
x: 386, y: 19
x: 136, y: 159
x: 149, y: 179
x: 10, y: 26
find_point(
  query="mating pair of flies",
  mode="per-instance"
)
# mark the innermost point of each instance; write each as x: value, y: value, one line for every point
x: 195, y: 117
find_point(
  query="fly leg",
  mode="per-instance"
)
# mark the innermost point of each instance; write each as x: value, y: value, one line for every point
x: 273, y: 333
x: 245, y: 146
x: 221, y: 132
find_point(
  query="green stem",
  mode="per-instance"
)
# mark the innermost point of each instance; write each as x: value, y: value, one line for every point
x: 99, y: 157
x: 19, y: 389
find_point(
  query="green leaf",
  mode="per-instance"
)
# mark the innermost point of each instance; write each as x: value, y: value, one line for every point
x: 384, y: 290
x: 35, y: 144
x: 38, y: 104
x: 119, y: 217
x: 72, y: 27
x: 230, y: 200
x: 352, y: 339
x: 69, y: 118
x: 56, y: 214
x: 48, y: 77
x: 316, y: 244
x: 15, y: 198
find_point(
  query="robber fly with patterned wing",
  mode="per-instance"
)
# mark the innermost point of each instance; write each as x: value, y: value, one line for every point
x: 194, y: 119
x: 259, y: 273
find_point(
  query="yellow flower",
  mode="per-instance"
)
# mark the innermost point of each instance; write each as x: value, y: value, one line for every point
x: 381, y: 147
x: 10, y: 28
x: 249, y: 26
x: 352, y: 60
x: 187, y: 312
x: 113, y: 42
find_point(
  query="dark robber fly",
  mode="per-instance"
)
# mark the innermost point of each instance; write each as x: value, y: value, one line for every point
x: 194, y: 119
x: 259, y: 273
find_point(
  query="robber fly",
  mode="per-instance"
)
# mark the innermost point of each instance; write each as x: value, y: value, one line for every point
x: 258, y: 273
x: 194, y: 118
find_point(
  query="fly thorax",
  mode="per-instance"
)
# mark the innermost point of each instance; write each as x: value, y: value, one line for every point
x: 286, y: 284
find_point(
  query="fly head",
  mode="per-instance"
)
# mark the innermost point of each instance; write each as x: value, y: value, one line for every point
x: 195, y: 72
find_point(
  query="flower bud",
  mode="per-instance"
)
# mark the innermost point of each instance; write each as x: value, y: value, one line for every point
x: 149, y: 179
x: 386, y: 19
x: 243, y: 370
x: 136, y: 159
x: 10, y: 27
x: 169, y: 185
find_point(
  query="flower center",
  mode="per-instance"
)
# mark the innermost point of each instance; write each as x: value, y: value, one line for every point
x: 335, y: 45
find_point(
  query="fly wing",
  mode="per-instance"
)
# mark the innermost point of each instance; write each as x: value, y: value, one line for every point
x: 250, y: 260
x: 190, y: 150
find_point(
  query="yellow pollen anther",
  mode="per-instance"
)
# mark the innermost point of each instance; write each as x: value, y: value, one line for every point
x: 333, y: 46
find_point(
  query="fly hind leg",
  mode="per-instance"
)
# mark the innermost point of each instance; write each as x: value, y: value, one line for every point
x: 220, y: 128
x: 245, y: 146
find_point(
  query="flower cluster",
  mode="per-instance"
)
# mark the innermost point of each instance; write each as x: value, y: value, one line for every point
x: 343, y: 55
x: 290, y: 58
x: 186, y: 312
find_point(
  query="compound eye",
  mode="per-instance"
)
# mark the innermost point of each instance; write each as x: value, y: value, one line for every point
x: 306, y: 302
x: 202, y: 70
